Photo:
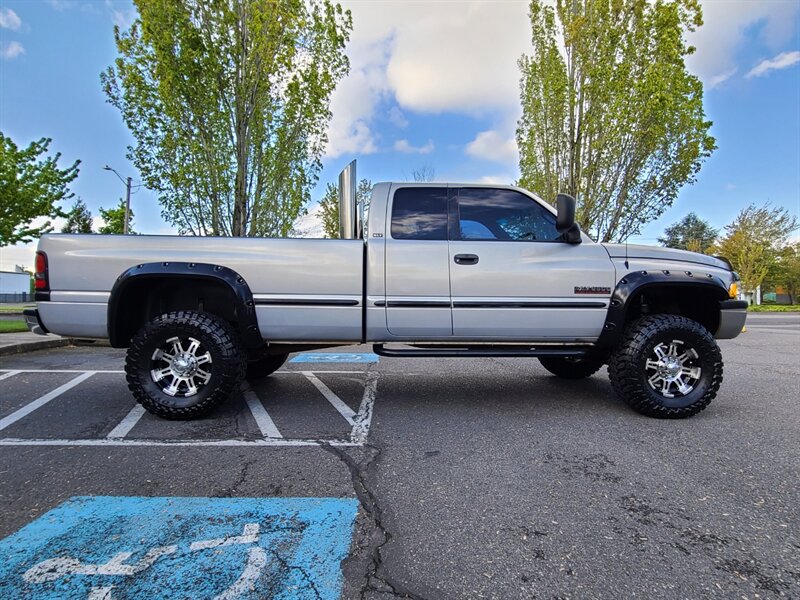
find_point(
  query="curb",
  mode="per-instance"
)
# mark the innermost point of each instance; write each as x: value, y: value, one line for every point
x: 31, y: 346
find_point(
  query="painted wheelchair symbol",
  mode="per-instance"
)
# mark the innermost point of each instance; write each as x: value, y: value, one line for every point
x: 55, y: 568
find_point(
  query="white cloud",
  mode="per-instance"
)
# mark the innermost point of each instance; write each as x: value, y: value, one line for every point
x: 727, y: 25
x: 355, y: 100
x: 21, y: 254
x: 122, y: 18
x: 491, y: 145
x: 11, y: 50
x: 448, y: 57
x: 782, y: 61
x: 397, y: 118
x: 497, y: 179
x: 721, y: 78
x: 406, y: 148
x: 9, y: 19
x: 61, y: 4
x: 462, y: 60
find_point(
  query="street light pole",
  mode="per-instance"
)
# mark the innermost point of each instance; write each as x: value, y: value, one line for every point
x: 127, y: 183
x: 127, y: 207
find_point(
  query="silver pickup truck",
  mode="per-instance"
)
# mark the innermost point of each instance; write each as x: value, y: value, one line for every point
x: 434, y: 270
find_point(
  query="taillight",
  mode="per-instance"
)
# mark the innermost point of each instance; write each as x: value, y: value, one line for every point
x: 41, y: 281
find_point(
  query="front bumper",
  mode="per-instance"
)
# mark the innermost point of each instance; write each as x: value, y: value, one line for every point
x: 33, y: 322
x: 732, y: 316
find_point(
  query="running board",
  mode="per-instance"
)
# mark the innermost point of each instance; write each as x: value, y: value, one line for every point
x: 479, y: 352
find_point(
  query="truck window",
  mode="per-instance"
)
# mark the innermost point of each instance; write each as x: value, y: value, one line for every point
x: 419, y: 214
x: 490, y: 214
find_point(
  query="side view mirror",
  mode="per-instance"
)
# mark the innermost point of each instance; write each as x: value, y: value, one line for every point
x: 565, y: 221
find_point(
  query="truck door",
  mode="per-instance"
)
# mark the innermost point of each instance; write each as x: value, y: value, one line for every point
x: 418, y: 263
x: 512, y: 277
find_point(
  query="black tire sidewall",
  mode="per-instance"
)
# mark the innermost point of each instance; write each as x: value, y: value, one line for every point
x: 707, y: 360
x: 216, y: 336
x: 629, y: 377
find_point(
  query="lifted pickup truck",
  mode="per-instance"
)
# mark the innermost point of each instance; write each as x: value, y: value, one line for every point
x: 435, y: 270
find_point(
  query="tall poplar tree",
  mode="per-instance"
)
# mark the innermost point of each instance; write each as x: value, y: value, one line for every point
x: 228, y: 101
x: 610, y: 114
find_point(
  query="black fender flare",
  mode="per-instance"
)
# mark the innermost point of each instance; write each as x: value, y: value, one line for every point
x: 632, y: 283
x: 243, y: 296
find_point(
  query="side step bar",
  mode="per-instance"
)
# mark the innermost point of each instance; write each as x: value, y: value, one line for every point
x: 478, y: 352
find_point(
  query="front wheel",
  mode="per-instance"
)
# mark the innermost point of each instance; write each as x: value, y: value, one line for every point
x: 183, y: 364
x: 666, y: 366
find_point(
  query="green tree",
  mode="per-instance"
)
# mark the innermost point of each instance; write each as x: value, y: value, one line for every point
x: 228, y: 101
x: 690, y: 233
x: 115, y: 219
x: 753, y: 241
x: 79, y: 219
x: 31, y: 185
x: 329, y: 205
x: 610, y: 114
x: 785, y: 272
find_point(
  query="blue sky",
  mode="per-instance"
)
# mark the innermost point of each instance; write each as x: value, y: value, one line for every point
x: 432, y: 84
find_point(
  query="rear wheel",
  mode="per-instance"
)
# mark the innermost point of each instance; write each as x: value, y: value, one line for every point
x: 572, y: 368
x: 666, y: 366
x: 183, y: 364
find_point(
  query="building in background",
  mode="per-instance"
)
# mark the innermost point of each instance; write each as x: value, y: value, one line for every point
x: 15, y: 286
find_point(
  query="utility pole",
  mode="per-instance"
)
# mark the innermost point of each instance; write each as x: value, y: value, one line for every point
x: 127, y: 207
x: 127, y: 183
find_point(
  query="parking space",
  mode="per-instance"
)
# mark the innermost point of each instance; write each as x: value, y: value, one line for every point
x: 294, y: 407
x: 433, y: 478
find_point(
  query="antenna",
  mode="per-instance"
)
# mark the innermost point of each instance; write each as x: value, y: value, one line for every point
x: 626, y: 254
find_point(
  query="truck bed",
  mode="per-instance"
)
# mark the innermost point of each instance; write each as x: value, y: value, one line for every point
x: 304, y: 289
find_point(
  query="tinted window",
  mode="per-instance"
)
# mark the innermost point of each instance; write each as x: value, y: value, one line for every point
x: 487, y: 214
x: 419, y: 214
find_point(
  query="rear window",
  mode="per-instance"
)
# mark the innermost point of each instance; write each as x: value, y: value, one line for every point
x: 419, y: 213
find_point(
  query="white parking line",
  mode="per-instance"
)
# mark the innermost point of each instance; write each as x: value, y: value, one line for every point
x: 265, y: 423
x: 178, y: 443
x: 360, y: 421
x: 128, y: 423
x: 59, y: 371
x: 337, y: 403
x: 39, y: 402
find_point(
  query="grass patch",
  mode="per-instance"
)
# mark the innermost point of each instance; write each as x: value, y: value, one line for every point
x: 12, y: 326
x: 15, y: 308
x: 775, y: 308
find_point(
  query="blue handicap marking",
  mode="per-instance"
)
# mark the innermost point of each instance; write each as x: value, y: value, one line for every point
x: 329, y: 357
x: 110, y: 548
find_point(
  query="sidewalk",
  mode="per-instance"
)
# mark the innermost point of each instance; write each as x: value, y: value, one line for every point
x: 16, y: 343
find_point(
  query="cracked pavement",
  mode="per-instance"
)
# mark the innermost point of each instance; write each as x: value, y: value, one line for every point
x: 492, y: 479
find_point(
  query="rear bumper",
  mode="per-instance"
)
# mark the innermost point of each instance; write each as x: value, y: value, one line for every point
x: 33, y: 322
x: 732, y: 317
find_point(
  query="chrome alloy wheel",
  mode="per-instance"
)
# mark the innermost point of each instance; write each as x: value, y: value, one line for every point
x: 178, y: 367
x: 675, y: 370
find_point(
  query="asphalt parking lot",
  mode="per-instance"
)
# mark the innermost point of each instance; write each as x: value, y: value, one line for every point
x: 419, y: 478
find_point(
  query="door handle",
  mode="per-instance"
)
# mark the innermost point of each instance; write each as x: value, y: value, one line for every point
x: 466, y: 259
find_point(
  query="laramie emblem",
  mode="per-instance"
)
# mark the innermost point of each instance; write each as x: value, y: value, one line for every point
x: 592, y: 290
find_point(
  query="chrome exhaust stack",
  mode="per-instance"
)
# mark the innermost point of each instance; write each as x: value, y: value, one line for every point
x: 349, y: 217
